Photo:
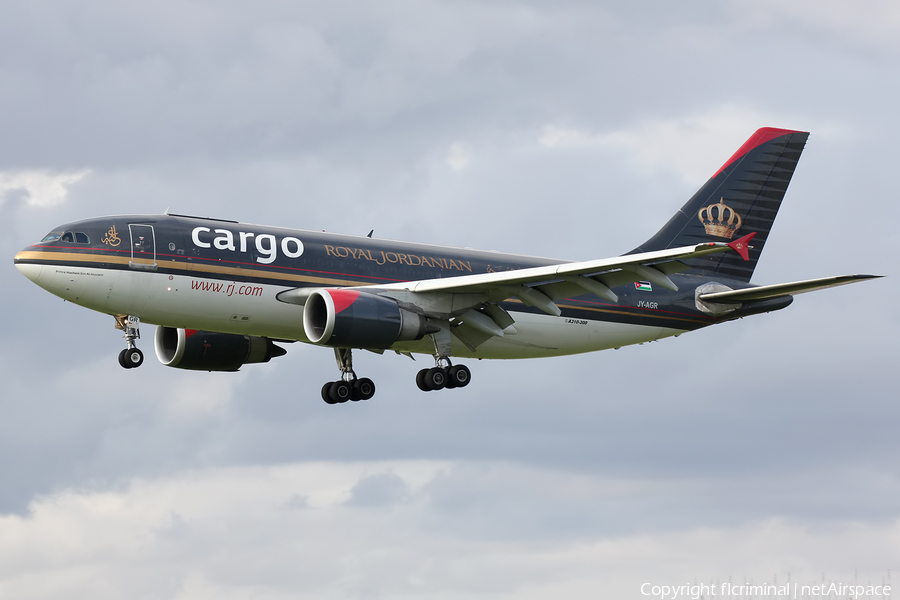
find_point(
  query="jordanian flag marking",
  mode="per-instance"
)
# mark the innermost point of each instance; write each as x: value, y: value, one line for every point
x: 643, y: 286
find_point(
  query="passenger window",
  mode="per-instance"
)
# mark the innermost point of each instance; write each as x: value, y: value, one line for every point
x: 82, y: 238
x: 67, y: 237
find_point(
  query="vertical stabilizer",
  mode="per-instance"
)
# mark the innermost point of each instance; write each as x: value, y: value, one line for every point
x: 741, y: 197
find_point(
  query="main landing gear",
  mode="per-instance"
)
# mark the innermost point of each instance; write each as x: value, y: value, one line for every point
x: 130, y: 357
x: 348, y: 387
x: 444, y: 375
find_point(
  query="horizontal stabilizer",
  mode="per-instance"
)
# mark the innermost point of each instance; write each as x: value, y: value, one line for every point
x: 783, y: 289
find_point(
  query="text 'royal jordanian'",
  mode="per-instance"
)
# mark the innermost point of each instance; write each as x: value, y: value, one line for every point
x: 220, y: 291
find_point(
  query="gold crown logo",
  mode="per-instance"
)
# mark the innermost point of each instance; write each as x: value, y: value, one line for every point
x: 720, y: 219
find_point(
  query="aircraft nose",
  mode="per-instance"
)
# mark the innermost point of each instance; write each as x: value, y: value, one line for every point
x: 29, y: 270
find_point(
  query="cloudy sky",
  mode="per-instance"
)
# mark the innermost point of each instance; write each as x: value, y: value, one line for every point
x: 760, y: 450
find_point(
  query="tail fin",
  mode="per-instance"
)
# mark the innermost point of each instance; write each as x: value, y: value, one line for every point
x: 741, y: 197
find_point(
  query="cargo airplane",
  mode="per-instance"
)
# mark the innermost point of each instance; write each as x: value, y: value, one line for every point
x: 224, y: 293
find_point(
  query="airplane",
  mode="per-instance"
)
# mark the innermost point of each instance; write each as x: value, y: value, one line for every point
x: 224, y: 293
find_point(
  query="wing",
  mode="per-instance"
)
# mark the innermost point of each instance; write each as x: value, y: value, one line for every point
x: 540, y: 287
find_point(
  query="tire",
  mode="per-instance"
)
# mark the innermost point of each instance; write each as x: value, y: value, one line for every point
x: 340, y: 391
x: 436, y: 378
x: 420, y: 380
x: 132, y: 358
x: 449, y: 384
x: 326, y: 393
x: 122, y: 358
x: 459, y: 375
x: 363, y: 389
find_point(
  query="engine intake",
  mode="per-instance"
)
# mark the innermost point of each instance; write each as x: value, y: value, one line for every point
x: 208, y: 351
x: 354, y: 319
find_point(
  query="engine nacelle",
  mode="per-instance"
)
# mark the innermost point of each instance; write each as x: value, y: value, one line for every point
x: 354, y: 319
x: 208, y: 351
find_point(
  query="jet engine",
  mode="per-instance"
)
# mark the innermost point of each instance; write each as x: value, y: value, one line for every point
x: 208, y: 351
x: 354, y: 319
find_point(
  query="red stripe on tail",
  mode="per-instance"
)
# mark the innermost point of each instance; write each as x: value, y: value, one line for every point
x: 757, y: 139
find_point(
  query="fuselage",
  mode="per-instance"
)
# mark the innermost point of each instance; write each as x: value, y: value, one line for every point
x: 224, y: 276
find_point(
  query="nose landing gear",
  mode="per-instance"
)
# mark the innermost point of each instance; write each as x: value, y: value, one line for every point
x: 130, y: 357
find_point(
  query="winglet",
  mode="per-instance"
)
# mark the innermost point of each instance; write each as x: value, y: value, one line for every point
x: 741, y: 246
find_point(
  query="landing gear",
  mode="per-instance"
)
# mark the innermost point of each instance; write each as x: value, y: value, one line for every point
x: 348, y: 387
x: 443, y: 374
x: 130, y: 357
x: 438, y: 378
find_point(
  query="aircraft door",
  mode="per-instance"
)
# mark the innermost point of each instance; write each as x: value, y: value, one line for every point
x: 143, y: 247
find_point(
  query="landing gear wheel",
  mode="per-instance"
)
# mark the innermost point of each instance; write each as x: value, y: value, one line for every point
x: 420, y: 380
x: 340, y: 391
x: 131, y: 358
x: 363, y: 389
x: 458, y: 376
x: 449, y: 384
x: 435, y: 378
x: 326, y: 393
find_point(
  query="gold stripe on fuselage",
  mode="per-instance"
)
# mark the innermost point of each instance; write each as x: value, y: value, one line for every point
x: 89, y: 259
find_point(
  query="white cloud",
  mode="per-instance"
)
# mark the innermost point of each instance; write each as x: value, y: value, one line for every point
x: 41, y: 188
x: 459, y: 156
x: 239, y: 532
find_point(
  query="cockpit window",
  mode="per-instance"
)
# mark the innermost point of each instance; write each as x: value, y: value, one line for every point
x: 73, y: 237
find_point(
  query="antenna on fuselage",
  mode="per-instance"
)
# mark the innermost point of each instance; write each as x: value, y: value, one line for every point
x: 370, y: 233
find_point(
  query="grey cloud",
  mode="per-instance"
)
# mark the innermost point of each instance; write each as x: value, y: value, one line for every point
x: 379, y: 490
